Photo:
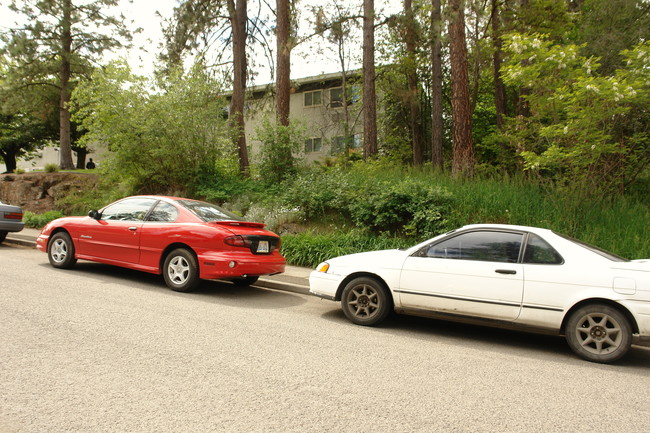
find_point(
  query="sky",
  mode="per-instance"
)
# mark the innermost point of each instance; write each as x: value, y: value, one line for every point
x: 307, y: 60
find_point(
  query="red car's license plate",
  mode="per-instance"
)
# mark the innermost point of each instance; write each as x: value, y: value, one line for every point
x: 263, y: 247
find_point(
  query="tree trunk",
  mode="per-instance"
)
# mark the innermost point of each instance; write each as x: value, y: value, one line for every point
x: 9, y: 158
x: 436, y: 86
x: 463, y: 148
x: 82, y: 152
x: 238, y: 18
x: 282, y: 84
x: 499, y: 87
x: 369, y: 96
x: 412, y: 77
x: 65, y: 145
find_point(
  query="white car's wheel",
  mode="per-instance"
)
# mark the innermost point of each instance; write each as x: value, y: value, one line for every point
x: 365, y: 301
x: 181, y: 271
x: 599, y: 333
x: 60, y: 251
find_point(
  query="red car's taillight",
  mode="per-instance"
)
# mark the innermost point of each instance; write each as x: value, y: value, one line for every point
x: 13, y: 215
x: 255, y: 243
x: 238, y: 241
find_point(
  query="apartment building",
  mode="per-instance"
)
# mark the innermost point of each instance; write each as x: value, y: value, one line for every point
x: 317, y: 104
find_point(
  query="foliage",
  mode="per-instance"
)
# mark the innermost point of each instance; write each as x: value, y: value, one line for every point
x: 279, y: 145
x: 38, y: 221
x: 58, y: 42
x: 165, y: 138
x: 51, y: 168
x: 608, y: 27
x: 586, y: 129
x: 309, y: 249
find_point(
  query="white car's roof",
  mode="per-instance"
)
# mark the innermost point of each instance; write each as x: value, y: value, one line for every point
x: 506, y: 227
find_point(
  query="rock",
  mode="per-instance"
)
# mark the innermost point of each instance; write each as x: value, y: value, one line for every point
x: 38, y: 192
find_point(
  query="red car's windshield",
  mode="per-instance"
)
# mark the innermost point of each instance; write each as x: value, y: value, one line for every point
x: 209, y: 212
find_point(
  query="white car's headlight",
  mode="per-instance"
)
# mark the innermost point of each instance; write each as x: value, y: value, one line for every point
x: 323, y: 267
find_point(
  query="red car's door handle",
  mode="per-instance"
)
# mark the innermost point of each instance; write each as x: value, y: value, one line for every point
x: 133, y: 228
x: 506, y: 271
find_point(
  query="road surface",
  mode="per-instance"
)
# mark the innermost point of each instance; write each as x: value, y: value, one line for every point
x: 100, y: 349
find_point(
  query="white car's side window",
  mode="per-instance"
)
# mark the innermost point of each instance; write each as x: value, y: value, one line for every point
x: 487, y: 246
x: 538, y: 251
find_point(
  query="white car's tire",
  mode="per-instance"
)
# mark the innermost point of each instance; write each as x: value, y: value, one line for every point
x: 366, y: 301
x: 599, y: 333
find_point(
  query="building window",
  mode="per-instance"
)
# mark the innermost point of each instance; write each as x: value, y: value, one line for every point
x: 313, y: 99
x: 313, y: 145
x: 339, y: 143
x: 336, y: 97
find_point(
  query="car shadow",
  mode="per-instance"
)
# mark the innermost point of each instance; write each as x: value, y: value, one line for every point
x: 213, y: 291
x: 227, y: 293
x: 489, y: 339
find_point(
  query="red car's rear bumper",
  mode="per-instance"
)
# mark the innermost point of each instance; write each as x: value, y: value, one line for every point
x: 216, y: 265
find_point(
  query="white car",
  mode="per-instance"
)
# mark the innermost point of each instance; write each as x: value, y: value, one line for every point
x: 11, y: 220
x: 520, y: 277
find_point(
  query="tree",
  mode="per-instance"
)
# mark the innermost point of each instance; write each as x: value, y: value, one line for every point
x: 497, y: 60
x: 369, y: 95
x: 436, y: 85
x: 339, y: 28
x: 608, y: 27
x: 589, y: 132
x: 20, y: 135
x: 463, y: 147
x: 162, y: 137
x: 238, y: 14
x: 411, y: 33
x: 54, y: 46
x: 205, y: 28
x: 283, y: 72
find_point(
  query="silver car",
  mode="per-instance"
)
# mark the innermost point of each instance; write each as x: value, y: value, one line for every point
x: 11, y: 220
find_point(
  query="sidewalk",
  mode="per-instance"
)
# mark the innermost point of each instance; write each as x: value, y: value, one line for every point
x: 294, y: 279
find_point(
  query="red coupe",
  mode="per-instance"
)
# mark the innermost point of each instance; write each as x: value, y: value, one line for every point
x: 185, y: 240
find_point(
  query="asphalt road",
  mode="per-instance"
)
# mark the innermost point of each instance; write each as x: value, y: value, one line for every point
x: 99, y: 349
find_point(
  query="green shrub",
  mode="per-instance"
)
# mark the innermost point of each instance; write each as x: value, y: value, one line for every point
x: 38, y: 221
x: 51, y: 168
x: 308, y: 249
x: 410, y: 207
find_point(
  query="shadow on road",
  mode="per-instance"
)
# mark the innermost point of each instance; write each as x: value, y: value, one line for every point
x: 217, y: 292
x: 488, y: 339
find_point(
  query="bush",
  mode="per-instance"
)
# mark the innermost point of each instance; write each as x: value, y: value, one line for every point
x: 38, y: 221
x: 309, y: 249
x: 410, y: 207
x: 51, y: 168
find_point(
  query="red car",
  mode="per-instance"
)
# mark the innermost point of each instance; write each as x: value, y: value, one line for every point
x: 185, y: 240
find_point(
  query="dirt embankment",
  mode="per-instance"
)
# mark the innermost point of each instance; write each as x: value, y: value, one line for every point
x: 37, y: 192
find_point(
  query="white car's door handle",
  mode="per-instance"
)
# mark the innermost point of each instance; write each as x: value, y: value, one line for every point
x: 506, y: 271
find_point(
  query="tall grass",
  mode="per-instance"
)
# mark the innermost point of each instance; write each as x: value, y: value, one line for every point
x: 619, y: 224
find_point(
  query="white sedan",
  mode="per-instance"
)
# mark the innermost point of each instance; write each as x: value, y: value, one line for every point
x: 520, y: 277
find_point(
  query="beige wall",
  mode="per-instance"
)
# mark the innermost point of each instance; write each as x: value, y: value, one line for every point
x: 319, y: 121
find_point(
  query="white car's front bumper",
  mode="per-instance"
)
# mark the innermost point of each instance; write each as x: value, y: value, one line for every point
x: 324, y: 285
